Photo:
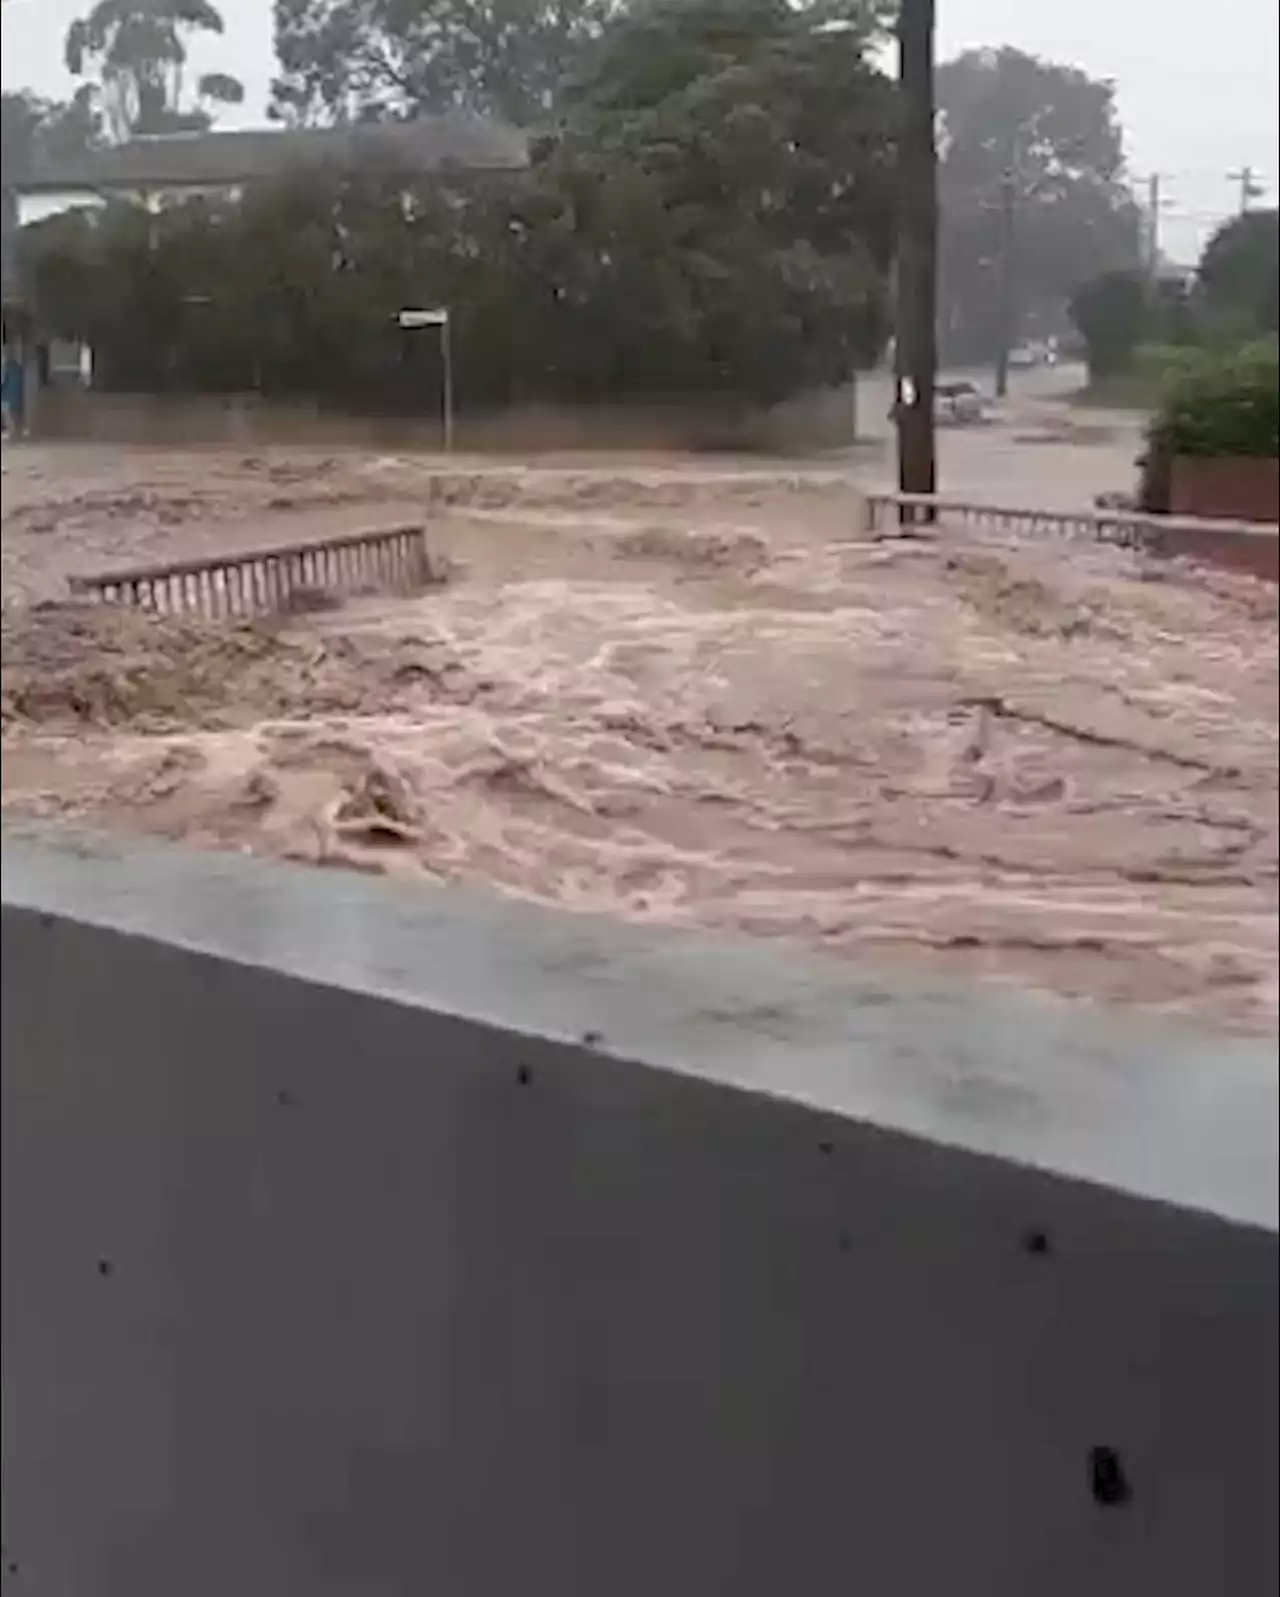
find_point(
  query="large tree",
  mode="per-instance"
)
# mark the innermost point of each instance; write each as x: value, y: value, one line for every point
x: 34, y: 127
x: 396, y: 58
x: 135, y: 52
x: 737, y: 155
x: 1033, y: 193
x: 1238, y: 274
x: 1111, y: 313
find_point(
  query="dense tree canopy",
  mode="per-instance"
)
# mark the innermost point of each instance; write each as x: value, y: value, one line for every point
x: 378, y: 58
x: 1111, y: 312
x: 713, y: 213
x: 1050, y: 133
x: 710, y: 207
x: 36, y: 126
x: 741, y: 163
x: 1239, y: 272
x: 1131, y: 322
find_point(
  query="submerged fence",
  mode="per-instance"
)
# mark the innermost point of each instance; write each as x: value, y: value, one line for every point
x: 1248, y: 546
x: 261, y: 580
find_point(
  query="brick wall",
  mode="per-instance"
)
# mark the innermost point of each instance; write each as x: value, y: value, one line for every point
x: 1234, y: 490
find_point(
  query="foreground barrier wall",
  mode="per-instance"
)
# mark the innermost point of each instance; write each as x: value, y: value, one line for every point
x: 368, y: 1241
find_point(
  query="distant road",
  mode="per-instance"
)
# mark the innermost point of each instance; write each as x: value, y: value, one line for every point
x: 1039, y: 384
x: 1018, y: 459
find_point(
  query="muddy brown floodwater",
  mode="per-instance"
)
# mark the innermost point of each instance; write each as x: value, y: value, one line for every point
x: 681, y: 695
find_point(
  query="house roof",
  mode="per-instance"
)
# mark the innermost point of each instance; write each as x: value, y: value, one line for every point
x: 230, y: 157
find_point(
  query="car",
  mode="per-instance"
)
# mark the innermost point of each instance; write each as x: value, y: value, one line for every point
x: 959, y: 404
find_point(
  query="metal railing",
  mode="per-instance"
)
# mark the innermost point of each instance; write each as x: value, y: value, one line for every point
x: 896, y: 512
x: 260, y: 581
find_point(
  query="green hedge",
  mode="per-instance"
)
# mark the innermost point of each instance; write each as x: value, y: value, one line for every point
x: 1221, y: 406
x: 1160, y: 365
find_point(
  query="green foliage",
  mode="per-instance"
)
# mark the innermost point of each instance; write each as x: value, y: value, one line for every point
x: 394, y: 58
x: 1221, y: 407
x: 739, y: 163
x: 714, y: 217
x: 1110, y: 312
x: 1142, y: 334
x: 1171, y: 313
x: 1157, y: 365
x: 1053, y: 132
x: 1239, y: 273
x: 1140, y: 385
x: 516, y: 59
x: 34, y: 127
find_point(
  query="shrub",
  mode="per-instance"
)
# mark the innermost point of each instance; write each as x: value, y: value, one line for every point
x: 1109, y: 313
x: 1212, y: 405
x: 1155, y: 366
x: 1221, y: 407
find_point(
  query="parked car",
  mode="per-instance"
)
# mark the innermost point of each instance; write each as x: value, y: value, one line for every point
x: 1034, y: 352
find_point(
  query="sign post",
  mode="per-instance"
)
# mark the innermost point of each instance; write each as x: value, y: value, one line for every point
x: 411, y: 320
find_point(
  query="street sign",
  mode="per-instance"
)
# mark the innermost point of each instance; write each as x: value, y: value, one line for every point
x: 411, y: 320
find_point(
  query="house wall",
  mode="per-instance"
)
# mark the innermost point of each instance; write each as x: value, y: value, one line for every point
x: 40, y: 207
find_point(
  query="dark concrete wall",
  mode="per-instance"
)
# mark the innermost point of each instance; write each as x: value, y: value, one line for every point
x: 8, y: 245
x: 373, y: 1242
x: 823, y: 420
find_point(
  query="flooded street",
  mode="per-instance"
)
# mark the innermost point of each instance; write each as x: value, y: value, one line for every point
x: 689, y: 694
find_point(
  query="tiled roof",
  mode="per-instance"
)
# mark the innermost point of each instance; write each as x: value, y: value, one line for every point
x: 232, y: 157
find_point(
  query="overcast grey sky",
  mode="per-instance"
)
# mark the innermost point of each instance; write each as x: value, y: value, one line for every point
x: 1197, y: 88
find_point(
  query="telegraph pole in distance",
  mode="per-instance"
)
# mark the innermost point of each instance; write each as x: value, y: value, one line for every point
x: 1005, y: 305
x: 1153, y: 226
x: 916, y: 338
x: 1250, y: 188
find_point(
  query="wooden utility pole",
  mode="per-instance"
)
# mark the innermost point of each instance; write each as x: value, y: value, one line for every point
x: 1250, y: 188
x: 917, y: 271
x: 1154, y: 203
x: 1006, y: 304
